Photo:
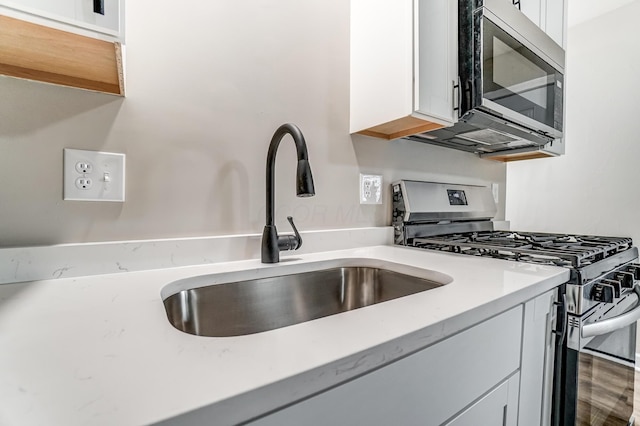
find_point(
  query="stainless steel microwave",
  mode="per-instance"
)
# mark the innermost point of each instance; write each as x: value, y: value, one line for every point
x: 511, y: 83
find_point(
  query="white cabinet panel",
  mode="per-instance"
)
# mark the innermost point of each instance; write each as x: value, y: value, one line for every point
x: 426, y: 388
x: 532, y: 9
x: 556, y: 20
x: 537, y: 361
x: 110, y: 20
x: 498, y: 408
x: 60, y: 8
x: 403, y: 64
x: 381, y: 62
x: 550, y: 15
x: 436, y: 47
x: 75, y: 13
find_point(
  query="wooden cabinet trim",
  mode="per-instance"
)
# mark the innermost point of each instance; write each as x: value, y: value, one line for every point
x: 49, y: 55
x: 399, y: 128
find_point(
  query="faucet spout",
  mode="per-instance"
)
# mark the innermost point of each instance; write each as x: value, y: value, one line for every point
x: 271, y: 242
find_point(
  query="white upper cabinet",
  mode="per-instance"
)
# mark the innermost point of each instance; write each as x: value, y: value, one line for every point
x: 101, y: 17
x: 403, y: 66
x: 547, y: 14
x: 436, y: 71
x: 556, y: 14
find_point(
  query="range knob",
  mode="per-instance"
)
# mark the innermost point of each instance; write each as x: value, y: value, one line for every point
x: 602, y: 292
x: 625, y: 278
x: 617, y: 286
x: 635, y: 270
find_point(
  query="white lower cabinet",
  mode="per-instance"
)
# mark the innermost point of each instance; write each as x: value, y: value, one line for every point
x: 538, y: 352
x: 498, y: 408
x: 469, y: 378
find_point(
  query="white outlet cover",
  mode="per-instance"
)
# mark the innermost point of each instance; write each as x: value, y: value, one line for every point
x: 105, y: 171
x: 370, y: 189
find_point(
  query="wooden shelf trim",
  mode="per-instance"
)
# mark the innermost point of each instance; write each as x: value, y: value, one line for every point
x: 399, y: 128
x: 36, y: 52
x: 520, y: 156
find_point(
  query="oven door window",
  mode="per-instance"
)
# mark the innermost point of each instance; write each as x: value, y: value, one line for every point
x: 605, y: 391
x: 519, y: 80
x: 606, y: 379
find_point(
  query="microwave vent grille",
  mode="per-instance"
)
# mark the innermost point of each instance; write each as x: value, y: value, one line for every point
x: 487, y: 137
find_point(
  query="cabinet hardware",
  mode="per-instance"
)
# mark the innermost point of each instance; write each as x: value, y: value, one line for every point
x: 562, y: 305
x: 456, y: 95
x: 98, y: 6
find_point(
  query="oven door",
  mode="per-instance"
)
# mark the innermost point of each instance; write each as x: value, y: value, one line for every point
x: 605, y: 365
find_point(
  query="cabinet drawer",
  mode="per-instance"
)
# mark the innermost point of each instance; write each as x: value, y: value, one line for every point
x: 426, y: 388
x: 498, y: 408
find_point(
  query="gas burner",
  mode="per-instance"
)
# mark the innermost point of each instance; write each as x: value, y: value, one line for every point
x: 549, y: 249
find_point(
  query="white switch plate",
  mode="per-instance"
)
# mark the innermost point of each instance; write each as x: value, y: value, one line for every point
x: 93, y: 175
x: 370, y: 189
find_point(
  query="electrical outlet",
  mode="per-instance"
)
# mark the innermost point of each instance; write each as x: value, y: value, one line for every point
x: 84, y: 183
x: 84, y: 167
x: 370, y: 189
x: 93, y: 175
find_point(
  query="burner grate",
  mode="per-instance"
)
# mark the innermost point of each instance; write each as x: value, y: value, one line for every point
x: 551, y: 249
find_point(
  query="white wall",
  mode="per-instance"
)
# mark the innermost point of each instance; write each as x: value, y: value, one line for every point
x: 207, y: 84
x: 583, y: 10
x: 594, y: 188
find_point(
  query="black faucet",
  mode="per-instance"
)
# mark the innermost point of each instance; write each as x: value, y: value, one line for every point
x: 271, y: 242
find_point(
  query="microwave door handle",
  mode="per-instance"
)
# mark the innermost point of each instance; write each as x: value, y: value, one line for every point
x: 613, y: 324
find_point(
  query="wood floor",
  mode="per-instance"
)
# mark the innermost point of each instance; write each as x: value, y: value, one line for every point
x: 605, y: 392
x: 636, y: 398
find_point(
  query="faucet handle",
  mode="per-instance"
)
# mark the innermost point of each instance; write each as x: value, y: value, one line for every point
x: 295, y: 231
x: 290, y: 242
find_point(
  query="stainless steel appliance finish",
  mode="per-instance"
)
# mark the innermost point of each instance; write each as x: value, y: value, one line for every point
x: 246, y: 307
x: 472, y: 203
x: 511, y: 83
x: 597, y: 308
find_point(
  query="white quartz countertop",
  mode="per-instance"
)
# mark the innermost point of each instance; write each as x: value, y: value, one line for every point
x: 99, y: 350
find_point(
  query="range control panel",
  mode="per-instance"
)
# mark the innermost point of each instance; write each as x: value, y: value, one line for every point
x: 613, y: 285
x: 457, y: 197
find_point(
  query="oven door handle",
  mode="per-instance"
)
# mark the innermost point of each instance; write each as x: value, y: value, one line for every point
x: 616, y: 323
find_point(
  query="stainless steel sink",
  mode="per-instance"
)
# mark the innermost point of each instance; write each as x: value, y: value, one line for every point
x: 256, y: 305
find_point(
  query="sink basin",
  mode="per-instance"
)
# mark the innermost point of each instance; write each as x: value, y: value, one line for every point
x: 257, y: 305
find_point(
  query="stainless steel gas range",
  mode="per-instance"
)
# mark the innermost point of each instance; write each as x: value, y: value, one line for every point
x: 597, y: 309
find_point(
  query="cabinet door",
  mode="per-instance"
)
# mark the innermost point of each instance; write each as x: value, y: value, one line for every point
x: 547, y: 14
x: 58, y: 9
x: 436, y: 71
x: 533, y: 10
x: 109, y: 20
x: 78, y: 13
x: 498, y: 408
x: 381, y: 62
x: 555, y: 15
x: 424, y: 389
x: 536, y: 370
